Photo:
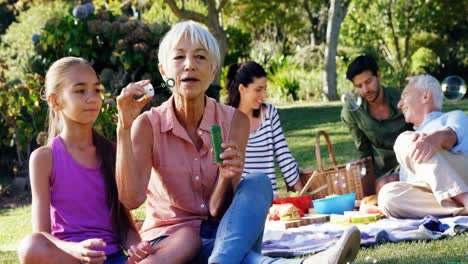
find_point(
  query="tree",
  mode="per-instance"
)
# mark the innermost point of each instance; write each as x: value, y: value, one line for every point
x: 336, y: 14
x: 317, y: 15
x: 394, y: 31
x: 212, y: 19
x: 16, y: 45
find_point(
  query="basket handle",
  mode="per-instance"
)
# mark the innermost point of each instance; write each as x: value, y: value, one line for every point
x: 318, y: 156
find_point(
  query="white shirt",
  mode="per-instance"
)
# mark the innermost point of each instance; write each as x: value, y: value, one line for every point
x: 266, y: 144
x: 456, y: 120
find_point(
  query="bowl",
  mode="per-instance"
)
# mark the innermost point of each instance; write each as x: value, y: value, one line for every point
x: 335, y: 204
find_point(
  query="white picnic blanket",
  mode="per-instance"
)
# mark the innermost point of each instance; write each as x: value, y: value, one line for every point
x: 320, y: 236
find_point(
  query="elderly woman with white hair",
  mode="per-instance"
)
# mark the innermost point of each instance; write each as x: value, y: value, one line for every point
x: 433, y: 158
x: 164, y: 157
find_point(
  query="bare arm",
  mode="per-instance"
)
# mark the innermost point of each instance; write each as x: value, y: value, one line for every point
x: 134, y: 147
x: 40, y: 168
x: 298, y: 186
x: 137, y: 249
x: 230, y: 171
x: 425, y: 145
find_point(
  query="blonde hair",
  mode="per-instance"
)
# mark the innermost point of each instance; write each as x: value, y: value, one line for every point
x: 105, y: 149
x: 197, y: 34
x: 54, y: 83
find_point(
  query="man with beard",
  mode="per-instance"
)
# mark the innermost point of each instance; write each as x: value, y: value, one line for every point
x: 376, y: 124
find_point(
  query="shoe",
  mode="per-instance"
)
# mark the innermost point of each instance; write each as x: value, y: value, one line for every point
x: 344, y: 251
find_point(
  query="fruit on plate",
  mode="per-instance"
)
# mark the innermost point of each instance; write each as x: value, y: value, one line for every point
x: 362, y: 218
x: 371, y: 199
x: 354, y: 217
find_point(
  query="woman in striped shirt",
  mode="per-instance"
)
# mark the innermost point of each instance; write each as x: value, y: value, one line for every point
x: 246, y: 85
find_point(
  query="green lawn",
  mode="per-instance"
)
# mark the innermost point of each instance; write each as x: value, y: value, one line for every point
x: 14, y: 224
x: 300, y: 122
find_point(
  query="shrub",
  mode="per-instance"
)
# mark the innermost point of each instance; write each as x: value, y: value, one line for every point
x: 22, y: 117
x: 290, y: 82
x: 121, y: 49
x: 16, y: 46
x: 421, y: 58
x: 238, y: 45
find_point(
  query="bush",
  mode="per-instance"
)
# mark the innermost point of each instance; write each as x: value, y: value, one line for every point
x: 238, y: 45
x: 6, y: 186
x: 290, y: 82
x: 310, y: 57
x: 120, y: 48
x: 16, y: 46
x: 421, y: 58
x: 22, y: 117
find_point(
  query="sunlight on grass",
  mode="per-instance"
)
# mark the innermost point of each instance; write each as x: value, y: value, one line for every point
x: 453, y: 249
x: 14, y: 225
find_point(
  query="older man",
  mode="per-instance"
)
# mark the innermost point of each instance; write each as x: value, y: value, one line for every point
x: 433, y: 159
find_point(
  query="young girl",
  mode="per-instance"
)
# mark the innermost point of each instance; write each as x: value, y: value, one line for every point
x: 76, y: 213
x: 246, y: 85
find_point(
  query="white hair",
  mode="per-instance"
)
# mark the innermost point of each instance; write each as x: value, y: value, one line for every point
x: 197, y: 34
x: 426, y: 82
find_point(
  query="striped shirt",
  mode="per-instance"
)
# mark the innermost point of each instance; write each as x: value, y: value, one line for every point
x: 266, y: 144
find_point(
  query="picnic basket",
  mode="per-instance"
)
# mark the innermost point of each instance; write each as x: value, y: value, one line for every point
x: 356, y: 176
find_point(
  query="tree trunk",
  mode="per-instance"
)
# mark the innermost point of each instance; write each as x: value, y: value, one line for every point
x: 336, y: 14
x: 220, y: 35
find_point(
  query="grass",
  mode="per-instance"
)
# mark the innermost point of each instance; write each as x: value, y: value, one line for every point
x: 300, y: 123
x: 15, y: 223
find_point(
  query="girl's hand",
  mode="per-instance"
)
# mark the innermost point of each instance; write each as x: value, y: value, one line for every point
x: 84, y: 252
x: 233, y: 162
x: 128, y: 107
x: 139, y: 252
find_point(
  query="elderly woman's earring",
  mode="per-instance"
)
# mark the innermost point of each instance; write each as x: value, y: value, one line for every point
x: 169, y: 83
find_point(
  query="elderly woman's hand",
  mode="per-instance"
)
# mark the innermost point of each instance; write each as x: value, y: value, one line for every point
x: 233, y: 161
x: 129, y: 108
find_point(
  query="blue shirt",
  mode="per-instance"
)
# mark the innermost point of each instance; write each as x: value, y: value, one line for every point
x: 456, y: 120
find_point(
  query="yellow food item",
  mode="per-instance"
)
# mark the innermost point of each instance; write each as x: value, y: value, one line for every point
x: 371, y: 199
x: 285, y: 212
x: 288, y: 212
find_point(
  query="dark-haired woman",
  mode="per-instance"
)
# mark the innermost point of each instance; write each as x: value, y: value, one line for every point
x: 246, y: 85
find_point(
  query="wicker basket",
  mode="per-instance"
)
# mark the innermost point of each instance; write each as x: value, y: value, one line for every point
x: 356, y: 176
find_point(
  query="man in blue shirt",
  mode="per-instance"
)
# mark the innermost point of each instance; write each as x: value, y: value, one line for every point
x: 433, y: 159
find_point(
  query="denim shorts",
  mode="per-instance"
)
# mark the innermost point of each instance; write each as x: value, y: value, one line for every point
x: 207, y: 231
x: 118, y: 257
x: 157, y: 240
